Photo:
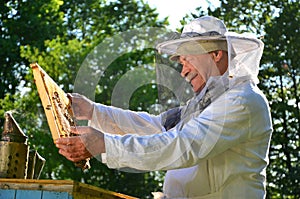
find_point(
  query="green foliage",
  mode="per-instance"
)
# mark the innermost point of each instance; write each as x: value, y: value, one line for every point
x: 281, y: 67
x: 24, y: 23
x: 59, y: 35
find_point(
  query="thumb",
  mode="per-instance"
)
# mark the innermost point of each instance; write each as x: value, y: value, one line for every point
x: 76, y: 97
x: 79, y: 130
x: 70, y: 96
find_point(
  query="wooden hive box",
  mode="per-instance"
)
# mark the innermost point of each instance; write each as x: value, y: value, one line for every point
x: 53, y: 189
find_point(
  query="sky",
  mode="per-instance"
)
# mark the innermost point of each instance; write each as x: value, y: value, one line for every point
x: 176, y: 11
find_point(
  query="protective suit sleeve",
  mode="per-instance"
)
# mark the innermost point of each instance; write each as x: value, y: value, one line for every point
x: 229, y: 121
x: 112, y: 120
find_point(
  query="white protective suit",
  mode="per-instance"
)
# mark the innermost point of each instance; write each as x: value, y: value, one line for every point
x: 217, y: 146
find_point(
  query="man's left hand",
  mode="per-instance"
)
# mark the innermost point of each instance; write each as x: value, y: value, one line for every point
x: 88, y: 143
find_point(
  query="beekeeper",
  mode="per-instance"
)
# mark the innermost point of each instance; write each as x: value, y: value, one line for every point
x: 214, y: 146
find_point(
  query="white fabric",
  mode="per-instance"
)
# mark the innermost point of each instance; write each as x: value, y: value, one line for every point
x: 205, y: 24
x: 219, y: 147
x: 245, y: 53
x: 244, y: 50
x: 222, y: 151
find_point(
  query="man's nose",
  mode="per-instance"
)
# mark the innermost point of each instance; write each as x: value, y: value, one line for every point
x: 185, y: 70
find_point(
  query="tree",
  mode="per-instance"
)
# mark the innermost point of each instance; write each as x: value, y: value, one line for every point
x: 64, y: 34
x: 22, y: 22
x: 281, y: 80
x: 61, y: 34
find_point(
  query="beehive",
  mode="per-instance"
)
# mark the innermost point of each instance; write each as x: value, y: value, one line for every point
x: 53, y: 189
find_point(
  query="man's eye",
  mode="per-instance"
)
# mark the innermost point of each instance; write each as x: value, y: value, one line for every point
x: 178, y: 66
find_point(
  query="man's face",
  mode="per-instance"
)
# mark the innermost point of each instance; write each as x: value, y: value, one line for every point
x: 196, y: 69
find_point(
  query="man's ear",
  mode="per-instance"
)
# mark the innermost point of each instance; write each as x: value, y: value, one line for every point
x: 221, y: 59
x: 217, y: 55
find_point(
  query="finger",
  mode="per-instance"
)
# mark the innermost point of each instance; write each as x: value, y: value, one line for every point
x: 79, y: 130
x: 70, y: 146
x: 76, y: 96
x: 63, y: 141
x: 68, y: 141
x: 74, y: 157
x: 74, y: 130
x: 70, y: 96
x: 74, y: 154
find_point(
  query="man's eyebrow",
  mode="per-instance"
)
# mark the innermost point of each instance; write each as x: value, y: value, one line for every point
x: 182, y: 58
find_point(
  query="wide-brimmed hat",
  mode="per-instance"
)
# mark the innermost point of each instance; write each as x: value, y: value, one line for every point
x: 201, y: 35
x: 207, y: 34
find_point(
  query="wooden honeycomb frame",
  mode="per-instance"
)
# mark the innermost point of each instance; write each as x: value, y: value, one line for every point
x: 56, y: 104
x: 57, y: 107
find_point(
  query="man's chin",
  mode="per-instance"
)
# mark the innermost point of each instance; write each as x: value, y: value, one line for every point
x: 197, y: 89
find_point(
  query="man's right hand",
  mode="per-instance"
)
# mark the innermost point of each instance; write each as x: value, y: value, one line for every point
x: 82, y: 106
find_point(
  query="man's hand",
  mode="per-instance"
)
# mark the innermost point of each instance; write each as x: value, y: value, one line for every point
x: 82, y: 106
x: 88, y: 143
